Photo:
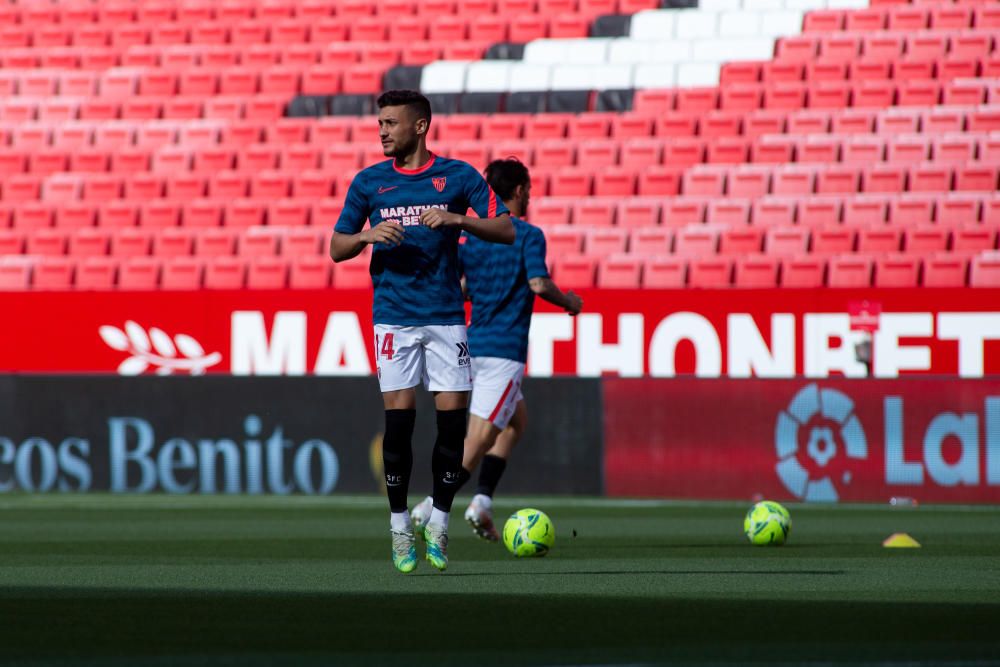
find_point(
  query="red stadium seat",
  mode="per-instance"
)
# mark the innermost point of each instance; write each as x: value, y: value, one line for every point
x: 309, y: 273
x: 638, y: 213
x: 215, y: 242
x: 769, y: 211
x: 139, y: 273
x: 985, y: 271
x: 596, y: 212
x: 662, y: 181
x: 182, y: 273
x: 304, y: 242
x: 351, y: 275
x: 575, y: 272
x: 563, y: 241
x: 547, y: 212
x: 820, y: 212
x: 53, y: 273
x: 131, y: 243
x: 926, y: 239
x: 969, y: 238
x: 267, y: 273
x: 711, y: 273
x: 802, y: 272
x: 605, y: 242
x: 651, y: 242
x: 729, y: 211
x: 693, y: 241
x: 741, y: 240
x: 829, y: 241
x: 664, y: 273
x: 619, y: 272
x: 96, y: 273
x: 756, y: 272
x: 945, y: 271
x: 684, y: 211
x: 14, y: 276
x: 786, y: 241
x: 225, y: 273
x: 897, y: 271
x: 89, y: 243
x: 850, y: 272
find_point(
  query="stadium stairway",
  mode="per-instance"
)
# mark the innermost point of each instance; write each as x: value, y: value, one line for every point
x: 762, y: 143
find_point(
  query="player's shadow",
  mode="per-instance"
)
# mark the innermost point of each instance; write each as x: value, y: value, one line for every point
x: 593, y: 573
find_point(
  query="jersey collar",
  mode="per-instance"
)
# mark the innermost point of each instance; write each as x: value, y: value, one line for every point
x: 419, y: 170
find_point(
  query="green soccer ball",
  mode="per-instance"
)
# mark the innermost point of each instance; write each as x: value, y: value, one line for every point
x: 767, y: 523
x: 529, y: 532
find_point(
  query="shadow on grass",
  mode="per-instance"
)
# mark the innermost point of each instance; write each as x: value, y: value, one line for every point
x: 190, y: 627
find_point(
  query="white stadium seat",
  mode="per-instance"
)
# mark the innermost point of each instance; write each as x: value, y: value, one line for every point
x: 488, y: 76
x: 654, y: 75
x: 627, y: 50
x: 694, y: 24
x: 697, y: 74
x: 782, y: 24
x: 526, y: 77
x: 444, y: 76
x: 591, y: 77
x: 740, y: 24
x: 653, y: 24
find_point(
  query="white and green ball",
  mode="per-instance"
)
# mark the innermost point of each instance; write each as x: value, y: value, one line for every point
x: 529, y: 532
x: 767, y: 523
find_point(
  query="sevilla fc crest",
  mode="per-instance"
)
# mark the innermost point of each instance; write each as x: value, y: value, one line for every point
x: 439, y: 183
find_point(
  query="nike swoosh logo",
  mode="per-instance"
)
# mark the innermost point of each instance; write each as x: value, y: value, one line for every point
x: 383, y: 189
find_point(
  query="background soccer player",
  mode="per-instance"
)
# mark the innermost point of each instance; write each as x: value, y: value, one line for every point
x: 415, y: 204
x: 501, y: 282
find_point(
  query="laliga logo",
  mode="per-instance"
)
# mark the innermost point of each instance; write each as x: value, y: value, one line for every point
x: 822, y: 444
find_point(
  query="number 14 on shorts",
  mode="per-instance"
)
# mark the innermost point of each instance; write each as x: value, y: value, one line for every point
x: 386, y: 348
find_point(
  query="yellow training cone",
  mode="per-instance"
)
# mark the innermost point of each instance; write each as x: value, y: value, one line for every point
x: 900, y: 540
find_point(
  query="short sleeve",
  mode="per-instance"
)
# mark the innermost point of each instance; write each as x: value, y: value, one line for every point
x: 534, y: 254
x: 481, y: 197
x: 355, y: 213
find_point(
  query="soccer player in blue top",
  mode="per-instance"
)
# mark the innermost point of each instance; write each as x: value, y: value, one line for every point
x: 501, y: 282
x: 415, y: 204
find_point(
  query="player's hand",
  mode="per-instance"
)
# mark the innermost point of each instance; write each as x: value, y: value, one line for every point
x: 574, y: 304
x: 435, y: 217
x: 390, y: 233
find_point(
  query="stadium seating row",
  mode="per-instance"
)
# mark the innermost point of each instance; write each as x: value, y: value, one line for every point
x: 184, y: 273
x: 652, y: 121
x: 115, y: 202
x: 692, y: 240
x: 945, y: 210
x: 170, y: 242
x: 770, y: 272
x: 31, y: 154
x: 180, y: 273
x: 235, y: 11
x: 904, y: 17
x: 260, y: 182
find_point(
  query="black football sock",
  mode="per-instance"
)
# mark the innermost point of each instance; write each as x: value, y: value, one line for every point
x: 446, y: 461
x: 397, y: 456
x: 490, y: 471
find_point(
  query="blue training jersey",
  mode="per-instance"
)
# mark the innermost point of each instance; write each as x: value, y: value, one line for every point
x: 418, y: 282
x: 496, y: 278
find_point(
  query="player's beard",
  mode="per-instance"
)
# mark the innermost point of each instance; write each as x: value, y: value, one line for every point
x: 400, y: 150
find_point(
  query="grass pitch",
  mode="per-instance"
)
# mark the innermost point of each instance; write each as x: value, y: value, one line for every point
x: 161, y: 580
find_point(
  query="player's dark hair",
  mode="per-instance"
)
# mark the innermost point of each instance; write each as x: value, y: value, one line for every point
x: 406, y: 98
x: 505, y: 175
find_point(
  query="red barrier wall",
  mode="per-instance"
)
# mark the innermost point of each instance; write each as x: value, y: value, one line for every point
x: 832, y: 440
x: 632, y: 333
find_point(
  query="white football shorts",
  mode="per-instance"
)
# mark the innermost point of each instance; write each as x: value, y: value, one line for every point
x: 436, y: 355
x: 496, y: 389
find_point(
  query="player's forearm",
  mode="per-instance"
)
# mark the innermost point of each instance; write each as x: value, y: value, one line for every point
x: 545, y: 288
x: 495, y: 230
x: 345, y: 246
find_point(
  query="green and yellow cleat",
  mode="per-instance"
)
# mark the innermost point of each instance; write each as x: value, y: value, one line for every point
x: 404, y: 551
x: 437, y: 545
